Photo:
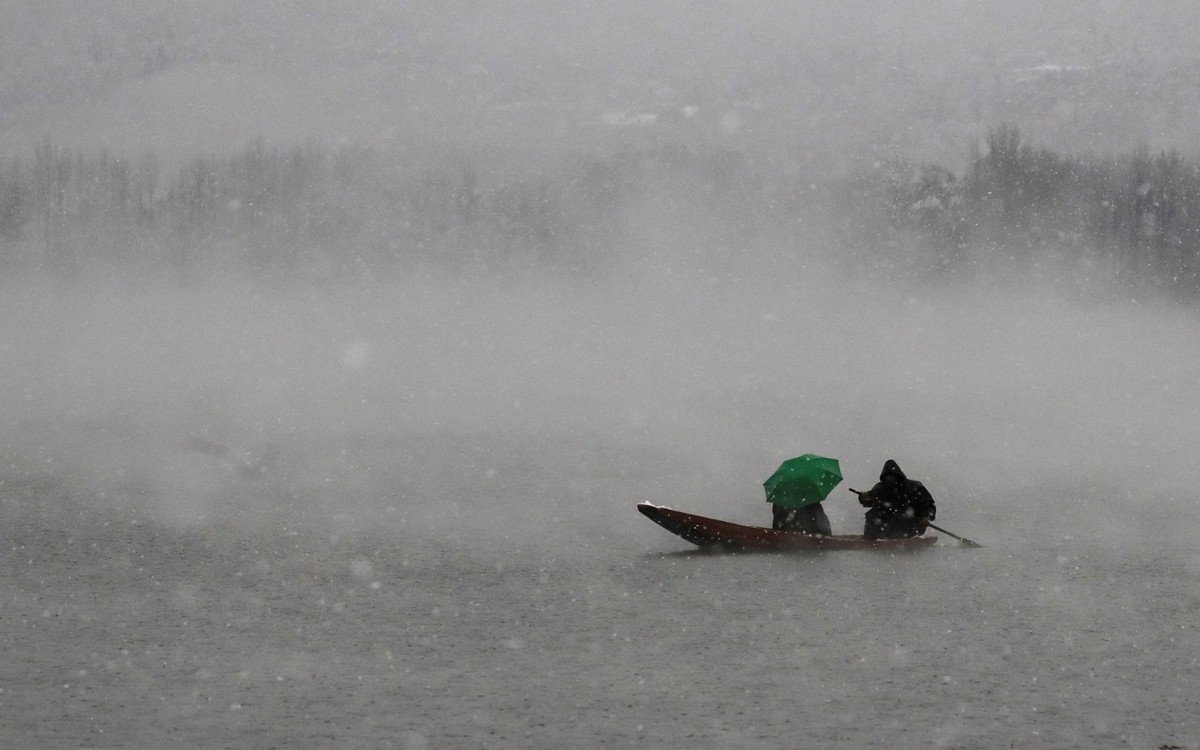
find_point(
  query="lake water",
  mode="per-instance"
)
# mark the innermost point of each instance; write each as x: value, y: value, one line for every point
x: 405, y: 517
x: 122, y: 632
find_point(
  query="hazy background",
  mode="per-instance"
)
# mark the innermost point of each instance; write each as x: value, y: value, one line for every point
x: 338, y: 342
x: 808, y: 83
x: 674, y: 369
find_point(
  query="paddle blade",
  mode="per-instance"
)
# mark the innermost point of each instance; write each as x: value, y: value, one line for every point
x: 962, y: 539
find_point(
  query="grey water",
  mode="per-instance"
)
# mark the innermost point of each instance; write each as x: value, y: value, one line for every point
x: 405, y: 517
x: 126, y: 634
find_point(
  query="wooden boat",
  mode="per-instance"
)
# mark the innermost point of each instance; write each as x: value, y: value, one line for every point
x: 710, y: 533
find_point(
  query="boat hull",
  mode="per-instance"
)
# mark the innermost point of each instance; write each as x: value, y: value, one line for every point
x: 711, y: 533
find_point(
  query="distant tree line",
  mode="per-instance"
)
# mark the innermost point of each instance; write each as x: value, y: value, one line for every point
x: 333, y: 212
x: 1130, y: 219
x: 325, y: 212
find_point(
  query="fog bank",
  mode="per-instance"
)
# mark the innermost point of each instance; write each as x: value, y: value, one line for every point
x: 505, y: 410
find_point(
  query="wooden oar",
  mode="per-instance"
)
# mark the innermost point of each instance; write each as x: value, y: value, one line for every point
x: 965, y: 542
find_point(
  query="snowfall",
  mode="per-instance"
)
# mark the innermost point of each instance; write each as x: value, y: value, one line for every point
x: 404, y: 516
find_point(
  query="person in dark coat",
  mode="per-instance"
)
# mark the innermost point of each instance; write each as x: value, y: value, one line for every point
x: 897, y: 507
x: 810, y: 519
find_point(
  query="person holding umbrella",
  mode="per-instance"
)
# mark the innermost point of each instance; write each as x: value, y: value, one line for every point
x: 796, y: 490
x: 810, y: 519
x: 897, y: 506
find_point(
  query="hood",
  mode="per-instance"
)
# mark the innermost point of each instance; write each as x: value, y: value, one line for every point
x: 891, y: 468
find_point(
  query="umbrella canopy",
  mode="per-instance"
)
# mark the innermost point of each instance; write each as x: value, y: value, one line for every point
x: 803, y: 480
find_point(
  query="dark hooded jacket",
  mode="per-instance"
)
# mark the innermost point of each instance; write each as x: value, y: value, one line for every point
x: 896, y: 505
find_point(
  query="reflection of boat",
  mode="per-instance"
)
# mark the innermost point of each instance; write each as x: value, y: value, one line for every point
x: 710, y: 533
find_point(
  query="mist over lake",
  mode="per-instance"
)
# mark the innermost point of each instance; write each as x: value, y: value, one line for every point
x: 337, y: 347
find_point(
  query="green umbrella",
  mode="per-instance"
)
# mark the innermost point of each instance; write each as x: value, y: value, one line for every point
x: 803, y: 480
